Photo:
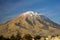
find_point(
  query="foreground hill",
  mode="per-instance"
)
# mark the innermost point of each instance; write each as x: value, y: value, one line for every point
x: 30, y: 23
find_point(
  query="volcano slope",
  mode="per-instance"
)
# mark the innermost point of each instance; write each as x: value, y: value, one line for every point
x: 30, y: 22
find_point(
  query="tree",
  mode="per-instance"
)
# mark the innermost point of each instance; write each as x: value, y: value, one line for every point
x: 7, y: 38
x: 2, y: 38
x: 27, y: 37
x: 12, y: 37
x: 18, y: 36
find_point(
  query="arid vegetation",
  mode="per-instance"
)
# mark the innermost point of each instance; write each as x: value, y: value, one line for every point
x: 29, y: 37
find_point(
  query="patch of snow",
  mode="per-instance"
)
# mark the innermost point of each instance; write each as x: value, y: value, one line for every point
x: 32, y: 13
x: 35, y: 15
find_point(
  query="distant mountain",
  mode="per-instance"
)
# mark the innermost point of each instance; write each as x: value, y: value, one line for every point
x: 32, y: 23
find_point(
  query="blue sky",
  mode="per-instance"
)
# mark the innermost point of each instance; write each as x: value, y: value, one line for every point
x: 11, y: 8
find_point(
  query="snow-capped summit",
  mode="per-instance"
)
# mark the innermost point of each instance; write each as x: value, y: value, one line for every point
x: 32, y: 13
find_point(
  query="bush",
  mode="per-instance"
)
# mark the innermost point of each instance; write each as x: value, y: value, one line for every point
x: 37, y: 37
x: 27, y: 37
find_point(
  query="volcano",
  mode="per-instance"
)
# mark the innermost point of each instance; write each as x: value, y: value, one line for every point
x: 30, y: 22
